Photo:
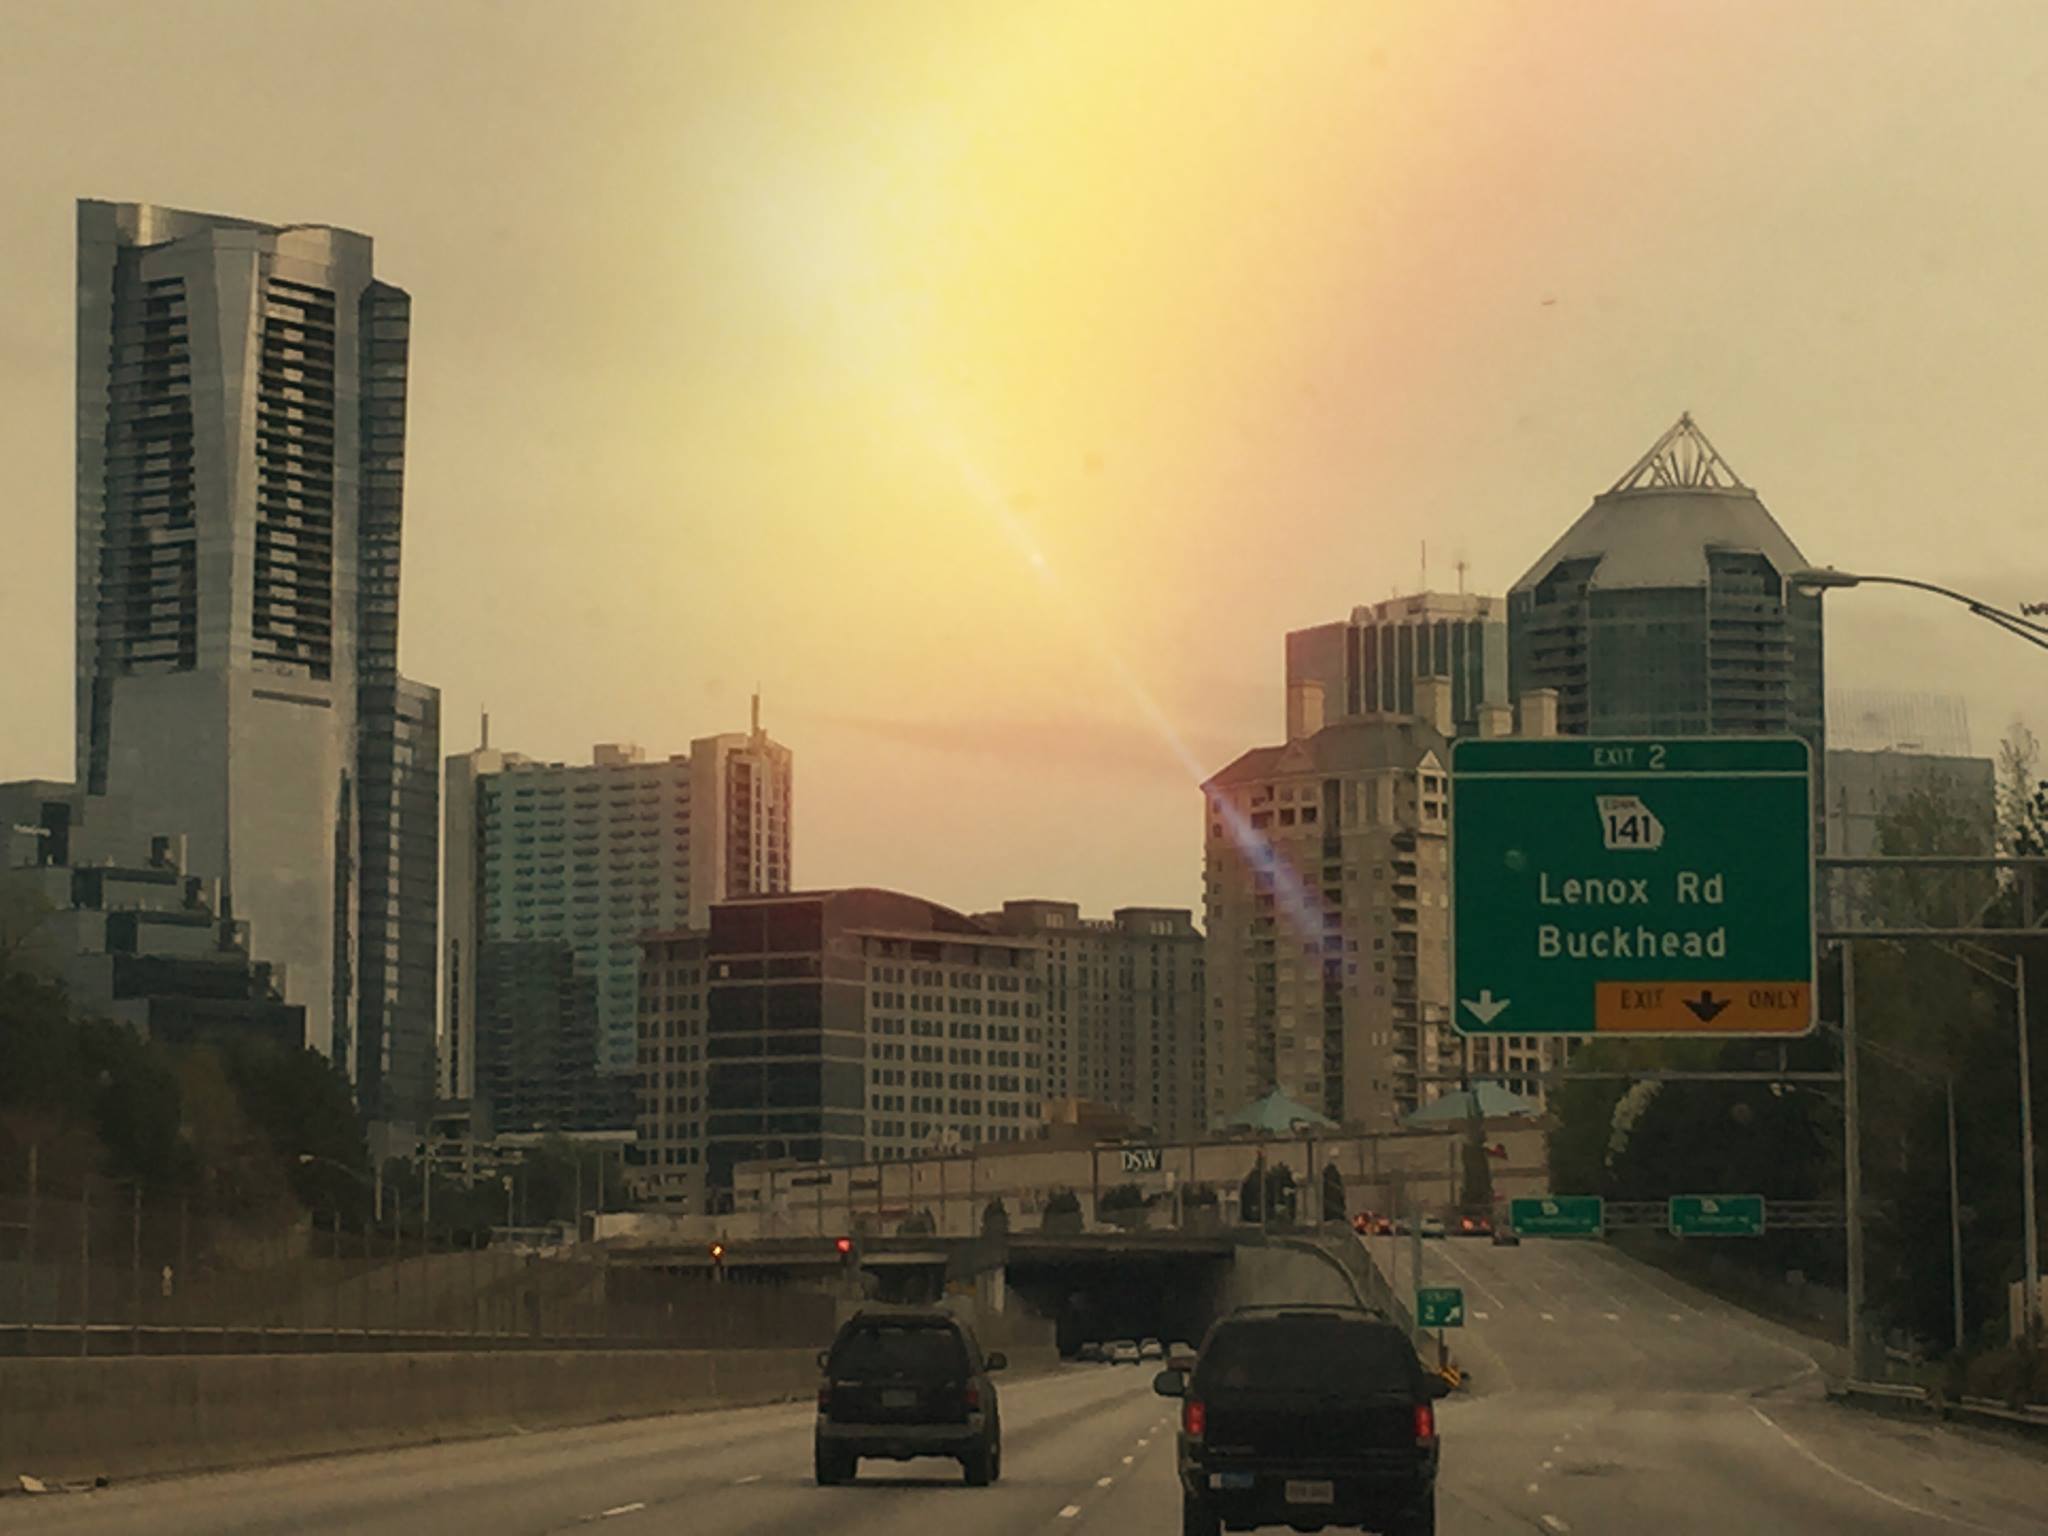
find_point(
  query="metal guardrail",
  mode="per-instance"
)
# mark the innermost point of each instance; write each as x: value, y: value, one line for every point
x: 2032, y: 1418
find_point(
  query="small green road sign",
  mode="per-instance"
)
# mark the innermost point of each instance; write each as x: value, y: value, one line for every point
x: 1717, y: 1215
x: 1439, y: 1306
x: 1558, y: 1216
x: 1632, y: 887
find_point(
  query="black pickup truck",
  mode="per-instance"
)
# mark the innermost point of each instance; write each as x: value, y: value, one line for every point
x: 1306, y: 1417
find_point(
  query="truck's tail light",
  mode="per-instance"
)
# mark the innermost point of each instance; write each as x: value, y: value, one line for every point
x: 970, y: 1398
x: 1194, y: 1417
x: 1425, y: 1423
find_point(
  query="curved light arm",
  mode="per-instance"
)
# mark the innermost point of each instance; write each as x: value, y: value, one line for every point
x: 1826, y: 578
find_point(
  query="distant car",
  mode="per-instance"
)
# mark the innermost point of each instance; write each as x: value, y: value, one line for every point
x: 1123, y: 1352
x: 1090, y: 1351
x: 1432, y: 1226
x: 1384, y: 1227
x: 1151, y: 1349
x: 1306, y: 1417
x: 1506, y: 1237
x: 1180, y: 1355
x: 904, y: 1382
x: 1474, y: 1226
x: 1364, y: 1223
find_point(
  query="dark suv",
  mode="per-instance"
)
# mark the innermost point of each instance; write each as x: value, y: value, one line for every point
x: 901, y: 1383
x: 1306, y: 1417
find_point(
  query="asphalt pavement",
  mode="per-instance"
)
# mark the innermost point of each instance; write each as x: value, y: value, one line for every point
x: 1606, y: 1398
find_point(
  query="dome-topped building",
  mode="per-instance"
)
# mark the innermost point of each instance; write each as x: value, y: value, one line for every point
x: 1664, y: 609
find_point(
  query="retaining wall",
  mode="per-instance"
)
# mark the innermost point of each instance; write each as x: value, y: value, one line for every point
x: 126, y: 1417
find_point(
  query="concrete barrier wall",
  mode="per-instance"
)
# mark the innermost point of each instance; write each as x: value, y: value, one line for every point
x: 123, y: 1418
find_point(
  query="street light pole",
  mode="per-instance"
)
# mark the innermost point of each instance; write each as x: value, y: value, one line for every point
x: 2030, y: 1303
x: 1852, y: 1158
x: 1955, y: 1218
x: 1825, y: 578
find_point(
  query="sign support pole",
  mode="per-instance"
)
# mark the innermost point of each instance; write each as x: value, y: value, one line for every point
x: 1852, y: 1159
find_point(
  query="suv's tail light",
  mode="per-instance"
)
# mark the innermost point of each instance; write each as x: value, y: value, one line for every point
x: 824, y: 1396
x: 1425, y: 1423
x: 1194, y: 1417
x: 970, y: 1398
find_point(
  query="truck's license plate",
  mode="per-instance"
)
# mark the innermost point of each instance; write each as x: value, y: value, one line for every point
x: 1304, y: 1492
x: 899, y: 1398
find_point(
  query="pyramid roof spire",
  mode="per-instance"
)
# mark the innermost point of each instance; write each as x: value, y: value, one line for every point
x: 1682, y: 459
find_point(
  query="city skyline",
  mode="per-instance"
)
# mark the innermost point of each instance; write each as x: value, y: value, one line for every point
x: 936, y: 626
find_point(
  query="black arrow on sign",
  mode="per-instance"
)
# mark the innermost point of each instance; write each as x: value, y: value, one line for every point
x: 1706, y: 1005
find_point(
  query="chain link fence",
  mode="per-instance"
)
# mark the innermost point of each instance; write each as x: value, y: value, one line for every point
x: 106, y: 1269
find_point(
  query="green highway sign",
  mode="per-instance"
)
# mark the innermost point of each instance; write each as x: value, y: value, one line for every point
x: 1632, y: 887
x: 1558, y: 1216
x: 1439, y: 1306
x: 1717, y: 1215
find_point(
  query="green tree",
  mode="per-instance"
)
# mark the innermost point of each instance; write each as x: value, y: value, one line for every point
x: 1333, y: 1198
x: 1062, y: 1212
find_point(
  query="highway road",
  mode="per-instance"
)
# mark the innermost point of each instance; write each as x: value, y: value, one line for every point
x: 1607, y: 1399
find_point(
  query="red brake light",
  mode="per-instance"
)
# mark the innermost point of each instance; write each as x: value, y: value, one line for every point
x: 844, y: 1245
x: 824, y: 1396
x: 1425, y: 1423
x: 1194, y: 1417
x: 972, y: 1397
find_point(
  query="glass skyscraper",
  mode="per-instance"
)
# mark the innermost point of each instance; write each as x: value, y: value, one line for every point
x: 241, y: 463
x: 1664, y: 610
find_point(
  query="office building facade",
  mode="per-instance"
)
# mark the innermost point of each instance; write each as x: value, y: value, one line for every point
x: 852, y: 1024
x: 554, y: 874
x: 129, y: 932
x: 240, y: 477
x: 670, y: 1126
x: 1125, y: 1004
x: 1664, y: 610
x: 1367, y: 666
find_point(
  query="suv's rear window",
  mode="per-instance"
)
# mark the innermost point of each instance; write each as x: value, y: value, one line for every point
x: 922, y: 1350
x: 1308, y: 1354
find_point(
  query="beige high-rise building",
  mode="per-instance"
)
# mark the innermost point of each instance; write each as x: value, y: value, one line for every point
x: 1327, y: 914
x: 1124, y: 1008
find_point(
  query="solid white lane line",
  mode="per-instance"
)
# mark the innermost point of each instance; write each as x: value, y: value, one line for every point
x: 1555, y: 1524
x: 620, y: 1509
x: 1070, y: 1511
x: 1856, y: 1482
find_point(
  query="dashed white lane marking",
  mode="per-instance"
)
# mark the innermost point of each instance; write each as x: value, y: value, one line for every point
x: 1146, y: 1441
x: 1129, y: 1459
x: 1557, y: 1450
x: 1532, y: 1487
x: 1612, y: 1317
x: 627, y: 1509
x: 1546, y: 1317
x: 1548, y: 1464
x: 1555, y: 1524
x: 1070, y: 1511
x: 1858, y: 1483
x: 1480, y: 1317
x: 1104, y: 1482
x: 1675, y: 1317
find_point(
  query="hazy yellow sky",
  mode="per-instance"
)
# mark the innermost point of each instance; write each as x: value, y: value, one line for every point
x: 995, y: 383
